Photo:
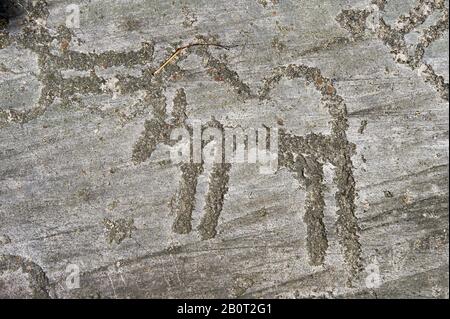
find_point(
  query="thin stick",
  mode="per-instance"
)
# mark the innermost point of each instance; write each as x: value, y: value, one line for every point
x: 178, y: 51
x: 28, y: 12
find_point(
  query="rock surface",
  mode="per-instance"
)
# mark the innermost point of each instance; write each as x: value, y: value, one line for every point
x: 91, y: 205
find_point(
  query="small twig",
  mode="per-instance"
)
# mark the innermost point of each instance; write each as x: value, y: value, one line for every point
x: 178, y: 51
x: 28, y: 12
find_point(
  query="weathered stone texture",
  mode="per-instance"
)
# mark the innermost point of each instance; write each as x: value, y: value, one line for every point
x: 358, y: 90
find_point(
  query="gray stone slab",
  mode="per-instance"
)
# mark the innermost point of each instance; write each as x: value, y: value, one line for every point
x: 358, y: 207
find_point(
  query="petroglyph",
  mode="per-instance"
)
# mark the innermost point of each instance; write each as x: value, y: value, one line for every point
x: 304, y: 156
x: 184, y: 199
x: 37, y: 280
x: 87, y: 116
x: 268, y: 3
x: 118, y: 230
x: 4, y: 240
x: 38, y: 39
x: 157, y: 131
x: 370, y: 19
